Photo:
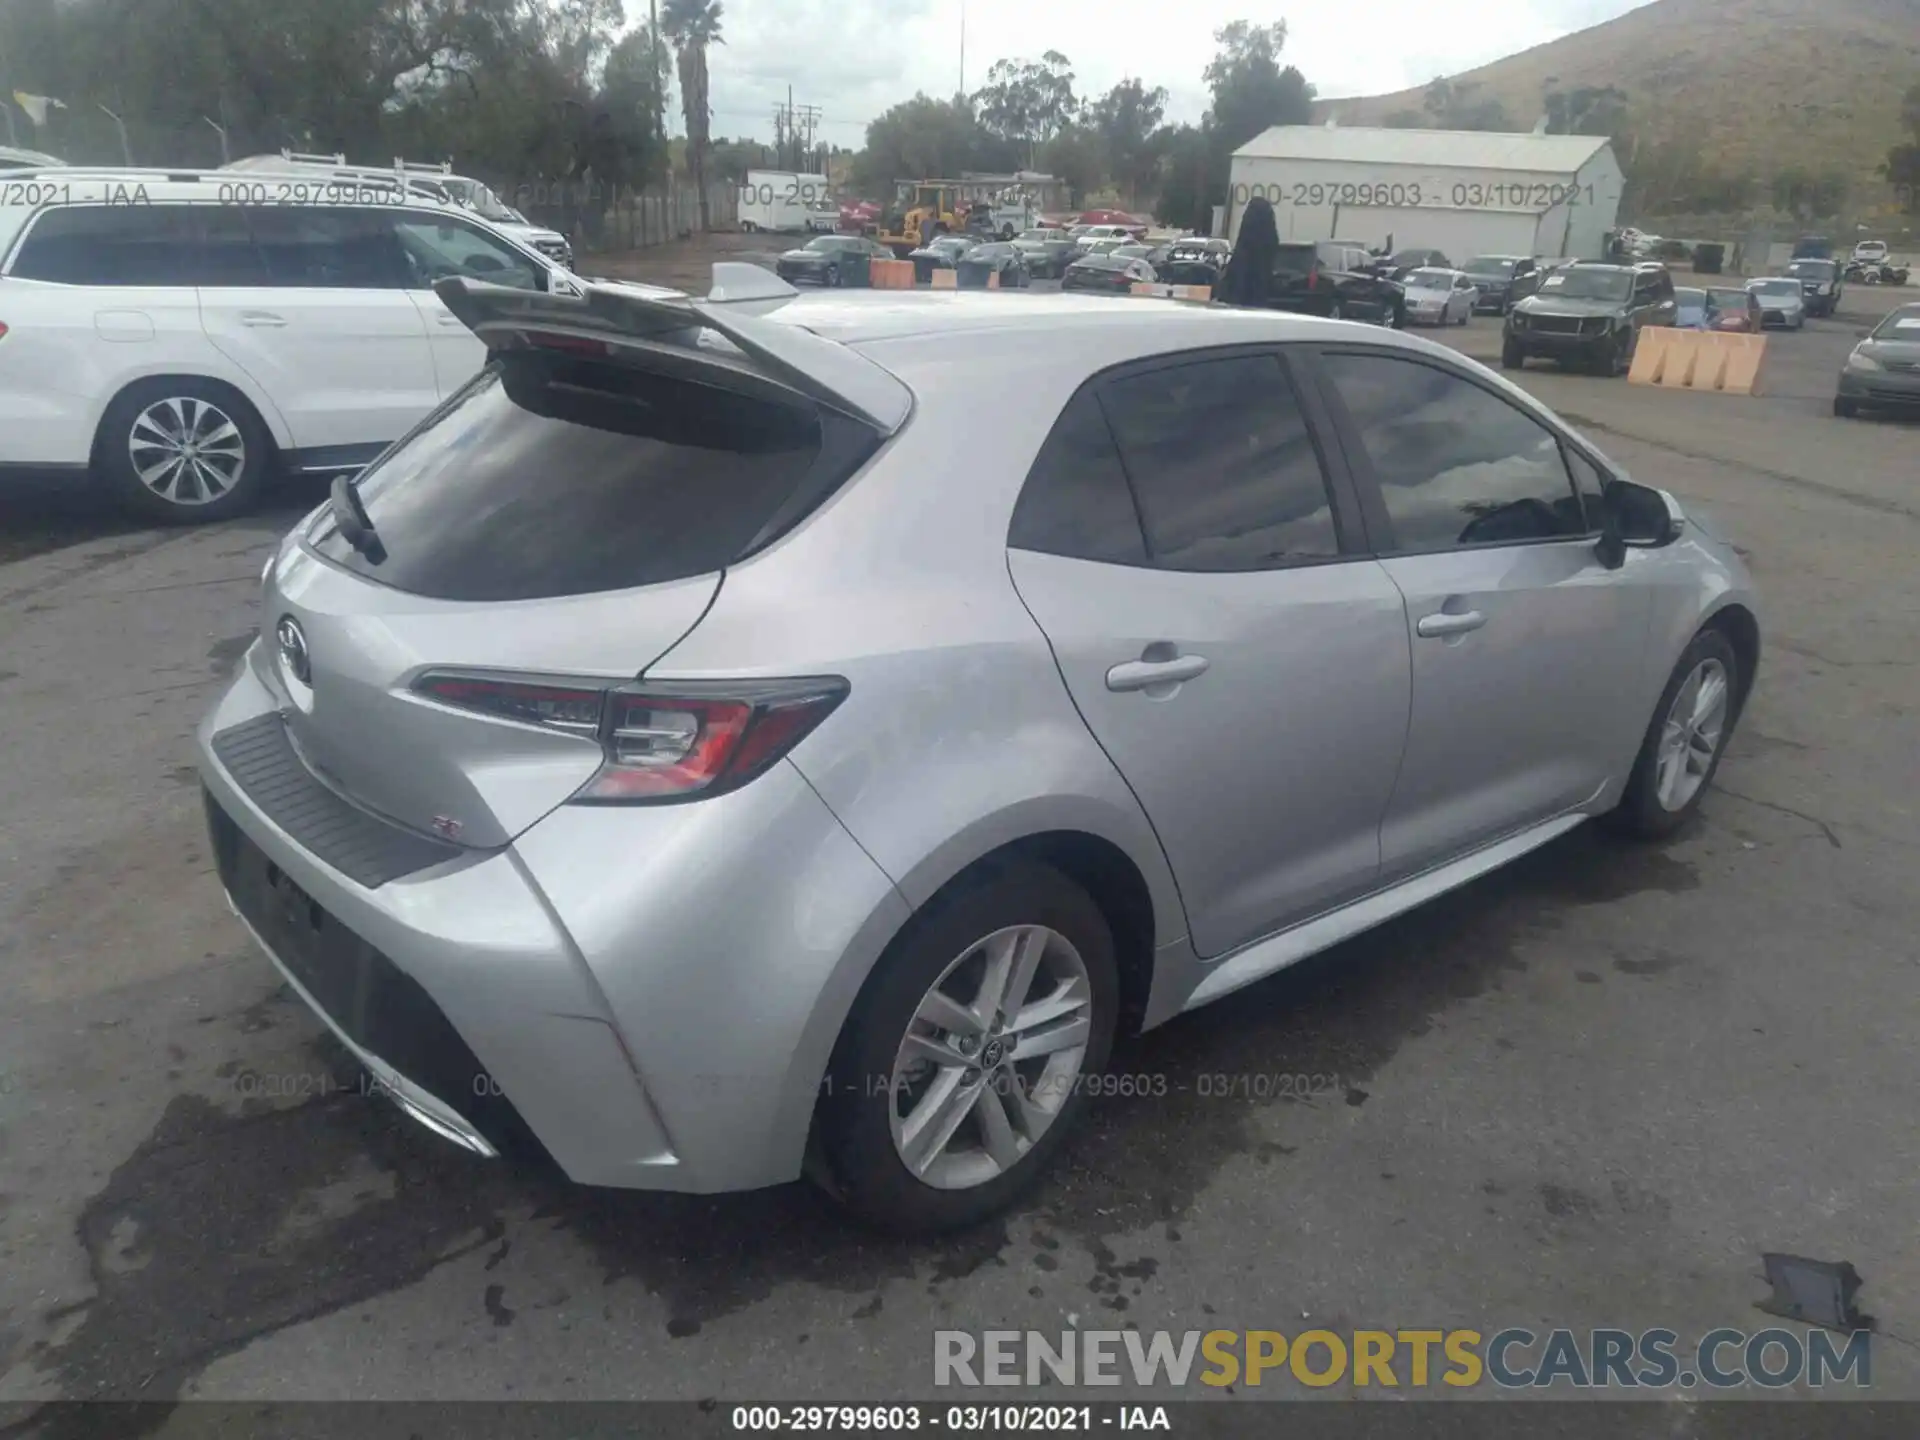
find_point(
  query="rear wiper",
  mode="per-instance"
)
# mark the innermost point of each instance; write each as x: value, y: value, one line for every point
x: 350, y: 519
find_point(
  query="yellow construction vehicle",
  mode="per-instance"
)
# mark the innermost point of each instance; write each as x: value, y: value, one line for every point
x: 921, y: 209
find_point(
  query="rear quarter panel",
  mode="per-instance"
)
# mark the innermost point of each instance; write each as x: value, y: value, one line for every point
x: 958, y: 735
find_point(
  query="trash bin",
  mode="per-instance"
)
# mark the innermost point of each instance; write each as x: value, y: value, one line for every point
x: 1708, y: 259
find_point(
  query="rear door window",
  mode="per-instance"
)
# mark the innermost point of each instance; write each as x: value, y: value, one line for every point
x: 1076, y: 502
x: 120, y: 245
x: 307, y: 247
x: 553, y: 474
x: 1222, y: 465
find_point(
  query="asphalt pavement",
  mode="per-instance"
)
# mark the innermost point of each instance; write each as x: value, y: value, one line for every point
x: 1587, y: 1091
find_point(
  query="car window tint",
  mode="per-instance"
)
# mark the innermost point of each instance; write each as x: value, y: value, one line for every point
x: 1457, y: 465
x: 554, y: 475
x: 312, y: 248
x: 119, y: 245
x: 227, y: 255
x: 437, y: 247
x: 1222, y: 465
x: 1076, y: 501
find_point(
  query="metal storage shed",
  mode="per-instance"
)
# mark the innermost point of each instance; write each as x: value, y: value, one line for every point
x: 1466, y: 192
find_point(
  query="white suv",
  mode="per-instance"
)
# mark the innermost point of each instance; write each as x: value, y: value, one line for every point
x: 438, y: 180
x: 1871, y: 252
x: 182, y: 334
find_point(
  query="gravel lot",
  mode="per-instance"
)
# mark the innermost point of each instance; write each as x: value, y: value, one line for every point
x: 1587, y: 1091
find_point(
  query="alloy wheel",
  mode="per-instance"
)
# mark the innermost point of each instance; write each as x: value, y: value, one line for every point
x: 187, y: 450
x: 1690, y: 739
x: 991, y: 1057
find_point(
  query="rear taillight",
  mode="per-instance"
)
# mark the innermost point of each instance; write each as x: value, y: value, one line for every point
x: 662, y: 741
x: 3, y: 330
x: 1313, y: 279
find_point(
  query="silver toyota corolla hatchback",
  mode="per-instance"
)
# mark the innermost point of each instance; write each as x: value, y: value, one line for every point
x: 766, y: 735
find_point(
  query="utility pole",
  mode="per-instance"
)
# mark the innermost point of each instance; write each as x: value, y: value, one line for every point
x: 963, y: 48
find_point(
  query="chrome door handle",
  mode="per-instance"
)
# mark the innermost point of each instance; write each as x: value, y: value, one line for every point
x: 1142, y: 674
x: 448, y: 318
x: 262, y: 319
x: 1434, y: 626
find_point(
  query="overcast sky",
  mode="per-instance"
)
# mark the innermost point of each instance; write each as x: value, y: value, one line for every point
x: 854, y: 58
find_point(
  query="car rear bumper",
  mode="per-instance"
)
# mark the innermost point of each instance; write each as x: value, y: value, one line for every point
x: 645, y: 996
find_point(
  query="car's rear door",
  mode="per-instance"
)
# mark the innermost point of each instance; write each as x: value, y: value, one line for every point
x: 1194, y: 556
x: 1526, y: 649
x: 309, y: 301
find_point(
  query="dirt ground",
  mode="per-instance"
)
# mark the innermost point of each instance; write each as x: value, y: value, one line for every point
x: 685, y: 264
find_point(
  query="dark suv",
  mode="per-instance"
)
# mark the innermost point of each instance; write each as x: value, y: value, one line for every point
x: 1330, y: 277
x: 1589, y: 313
x: 1503, y: 280
x: 1820, y: 282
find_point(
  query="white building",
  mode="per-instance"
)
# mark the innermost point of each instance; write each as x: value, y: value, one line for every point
x: 1465, y: 192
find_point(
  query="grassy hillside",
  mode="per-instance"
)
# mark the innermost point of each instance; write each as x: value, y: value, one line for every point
x: 1765, y: 85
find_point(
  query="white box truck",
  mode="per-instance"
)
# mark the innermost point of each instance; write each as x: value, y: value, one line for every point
x: 780, y: 200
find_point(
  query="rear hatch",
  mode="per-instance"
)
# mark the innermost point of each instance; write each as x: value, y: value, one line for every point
x: 1296, y: 269
x: 551, y: 532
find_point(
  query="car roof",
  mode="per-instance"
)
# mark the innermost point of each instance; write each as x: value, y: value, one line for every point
x: 861, y: 317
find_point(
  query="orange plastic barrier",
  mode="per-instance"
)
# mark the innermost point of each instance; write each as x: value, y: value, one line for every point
x: 946, y: 279
x: 1670, y: 359
x: 890, y: 274
x: 1199, y: 294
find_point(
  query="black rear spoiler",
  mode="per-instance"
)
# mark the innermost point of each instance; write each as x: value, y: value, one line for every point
x: 677, y: 325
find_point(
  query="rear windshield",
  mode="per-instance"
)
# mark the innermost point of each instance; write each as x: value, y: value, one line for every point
x: 558, y: 475
x: 1294, y: 259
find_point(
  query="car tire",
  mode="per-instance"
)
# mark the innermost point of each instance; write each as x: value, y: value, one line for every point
x: 1512, y: 356
x: 226, y: 468
x: 861, y: 1130
x: 1656, y: 801
x: 1845, y: 408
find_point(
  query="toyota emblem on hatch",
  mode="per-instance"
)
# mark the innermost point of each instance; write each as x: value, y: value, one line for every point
x: 293, y: 650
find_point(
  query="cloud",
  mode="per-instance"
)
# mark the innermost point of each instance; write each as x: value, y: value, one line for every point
x: 856, y: 58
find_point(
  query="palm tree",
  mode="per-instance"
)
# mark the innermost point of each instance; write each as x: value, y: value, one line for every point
x: 692, y: 25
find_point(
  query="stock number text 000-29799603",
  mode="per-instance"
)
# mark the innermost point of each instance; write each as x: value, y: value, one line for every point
x: 1461, y: 195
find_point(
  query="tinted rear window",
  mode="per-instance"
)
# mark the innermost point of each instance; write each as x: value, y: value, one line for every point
x: 110, y: 245
x: 555, y: 475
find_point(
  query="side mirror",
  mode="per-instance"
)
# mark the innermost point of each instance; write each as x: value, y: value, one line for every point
x: 1636, y: 517
x: 1863, y: 334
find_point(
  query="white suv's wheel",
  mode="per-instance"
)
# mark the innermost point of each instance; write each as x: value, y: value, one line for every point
x: 966, y: 1062
x: 183, y: 451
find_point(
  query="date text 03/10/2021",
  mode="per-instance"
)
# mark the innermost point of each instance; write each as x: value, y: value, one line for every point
x: 1460, y: 195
